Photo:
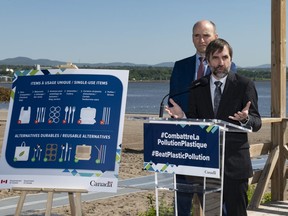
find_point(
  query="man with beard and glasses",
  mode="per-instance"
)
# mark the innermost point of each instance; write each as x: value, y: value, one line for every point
x: 238, y: 105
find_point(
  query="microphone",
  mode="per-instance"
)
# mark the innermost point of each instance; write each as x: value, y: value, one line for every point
x: 200, y: 82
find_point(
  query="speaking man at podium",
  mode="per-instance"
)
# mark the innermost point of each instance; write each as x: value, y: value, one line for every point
x: 233, y: 98
x: 186, y: 71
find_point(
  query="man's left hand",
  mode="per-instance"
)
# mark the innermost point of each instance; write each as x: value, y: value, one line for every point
x: 242, y: 116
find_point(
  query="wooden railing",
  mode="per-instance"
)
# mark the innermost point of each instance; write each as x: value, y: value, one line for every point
x: 274, y: 151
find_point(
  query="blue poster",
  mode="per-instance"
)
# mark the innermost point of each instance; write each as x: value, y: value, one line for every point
x: 183, y: 148
x: 70, y: 121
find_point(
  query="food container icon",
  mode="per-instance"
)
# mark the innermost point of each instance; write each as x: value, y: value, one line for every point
x: 83, y: 152
x: 87, y: 115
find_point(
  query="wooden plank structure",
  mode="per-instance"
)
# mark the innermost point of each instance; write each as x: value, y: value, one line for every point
x: 278, y: 97
x: 275, y: 167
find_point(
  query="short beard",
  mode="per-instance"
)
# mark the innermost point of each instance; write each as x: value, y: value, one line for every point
x: 221, y: 74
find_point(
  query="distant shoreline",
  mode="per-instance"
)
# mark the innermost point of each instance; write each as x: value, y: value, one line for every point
x: 155, y: 81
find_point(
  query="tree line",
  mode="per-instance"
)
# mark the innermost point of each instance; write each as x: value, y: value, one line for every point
x: 150, y: 73
x: 164, y: 73
x: 137, y: 73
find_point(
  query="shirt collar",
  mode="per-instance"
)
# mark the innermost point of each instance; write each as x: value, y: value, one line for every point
x: 223, y: 80
x: 198, y: 56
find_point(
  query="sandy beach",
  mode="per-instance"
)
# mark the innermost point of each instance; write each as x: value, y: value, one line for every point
x: 131, y: 166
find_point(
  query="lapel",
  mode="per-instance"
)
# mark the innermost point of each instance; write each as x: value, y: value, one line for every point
x: 227, y: 93
x: 187, y: 69
x: 208, y: 71
x: 193, y: 67
x: 208, y: 103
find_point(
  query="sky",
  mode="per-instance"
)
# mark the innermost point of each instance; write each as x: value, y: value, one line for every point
x: 134, y: 31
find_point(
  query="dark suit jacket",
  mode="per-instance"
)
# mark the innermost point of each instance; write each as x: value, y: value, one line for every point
x: 237, y: 92
x: 182, y: 76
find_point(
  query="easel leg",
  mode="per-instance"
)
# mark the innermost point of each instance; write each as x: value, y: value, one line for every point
x: 74, y: 200
x: 78, y: 204
x: 75, y: 203
x: 20, y: 203
x: 49, y: 203
x: 72, y: 203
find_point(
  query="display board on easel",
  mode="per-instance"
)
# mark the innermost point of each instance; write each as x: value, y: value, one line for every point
x: 64, y: 129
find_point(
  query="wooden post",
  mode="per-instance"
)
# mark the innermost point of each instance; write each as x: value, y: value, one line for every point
x: 78, y: 204
x: 72, y: 203
x: 49, y: 202
x: 197, y: 208
x: 278, y: 93
x: 20, y: 203
x: 24, y: 192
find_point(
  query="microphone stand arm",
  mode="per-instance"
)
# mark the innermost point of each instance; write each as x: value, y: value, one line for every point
x: 201, y: 82
x: 162, y: 106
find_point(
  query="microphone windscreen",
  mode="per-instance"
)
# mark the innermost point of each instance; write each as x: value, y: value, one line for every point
x: 204, y: 81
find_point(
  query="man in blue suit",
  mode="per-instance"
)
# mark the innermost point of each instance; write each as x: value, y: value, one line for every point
x: 185, y: 71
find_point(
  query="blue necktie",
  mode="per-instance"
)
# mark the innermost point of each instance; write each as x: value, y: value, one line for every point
x: 217, y: 96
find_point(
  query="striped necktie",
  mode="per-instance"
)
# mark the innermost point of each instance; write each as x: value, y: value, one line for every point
x: 200, y: 72
x: 217, y: 96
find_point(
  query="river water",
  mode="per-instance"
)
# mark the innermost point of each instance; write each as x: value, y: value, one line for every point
x: 145, y: 97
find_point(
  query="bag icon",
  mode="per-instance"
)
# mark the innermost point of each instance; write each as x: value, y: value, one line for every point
x: 24, y: 116
x: 22, y: 152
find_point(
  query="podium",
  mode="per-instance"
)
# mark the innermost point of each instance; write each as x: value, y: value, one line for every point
x: 190, y: 147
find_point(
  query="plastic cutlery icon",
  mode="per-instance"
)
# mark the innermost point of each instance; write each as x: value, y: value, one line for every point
x: 43, y: 114
x: 69, y: 155
x: 66, y: 111
x: 62, y: 153
x: 39, y: 156
x: 73, y: 111
x: 66, y: 152
x: 70, y: 110
x: 37, y: 114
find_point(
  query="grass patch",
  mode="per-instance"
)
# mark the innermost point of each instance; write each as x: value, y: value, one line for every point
x: 166, y: 208
x: 266, y: 197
